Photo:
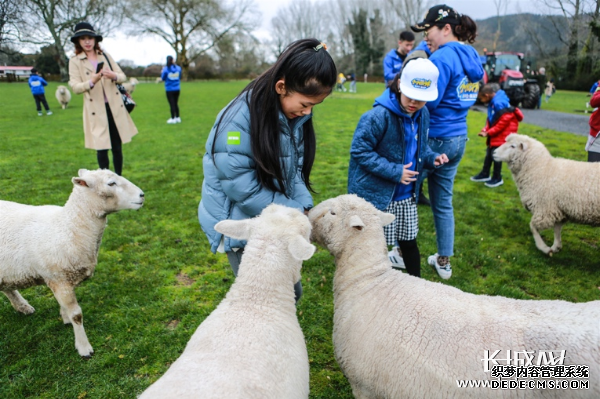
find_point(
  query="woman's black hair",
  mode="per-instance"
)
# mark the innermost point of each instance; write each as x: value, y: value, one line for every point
x: 466, y: 31
x: 169, y: 60
x: 308, y: 69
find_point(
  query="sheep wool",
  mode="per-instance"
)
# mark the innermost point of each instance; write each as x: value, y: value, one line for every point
x: 58, y: 246
x: 63, y: 95
x: 554, y: 190
x: 399, y: 336
x: 251, y: 346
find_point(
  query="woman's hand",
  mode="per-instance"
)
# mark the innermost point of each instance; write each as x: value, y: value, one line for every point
x: 96, y: 77
x: 107, y: 73
x: 408, y: 176
x: 440, y: 160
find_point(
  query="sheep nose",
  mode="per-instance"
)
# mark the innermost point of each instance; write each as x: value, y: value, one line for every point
x: 141, y: 195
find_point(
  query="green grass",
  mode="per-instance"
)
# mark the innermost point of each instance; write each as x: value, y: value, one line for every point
x: 572, y: 102
x: 156, y: 279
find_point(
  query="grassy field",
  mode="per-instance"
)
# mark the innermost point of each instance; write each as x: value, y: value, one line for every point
x: 157, y: 280
x: 572, y: 102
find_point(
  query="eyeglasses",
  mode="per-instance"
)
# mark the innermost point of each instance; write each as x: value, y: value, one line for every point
x: 426, y: 33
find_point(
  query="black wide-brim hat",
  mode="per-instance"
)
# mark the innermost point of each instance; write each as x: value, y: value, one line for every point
x: 85, y: 29
x: 437, y: 15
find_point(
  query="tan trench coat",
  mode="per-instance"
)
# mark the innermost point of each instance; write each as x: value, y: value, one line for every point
x: 95, y: 119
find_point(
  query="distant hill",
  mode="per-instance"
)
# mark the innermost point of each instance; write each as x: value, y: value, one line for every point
x: 531, y: 34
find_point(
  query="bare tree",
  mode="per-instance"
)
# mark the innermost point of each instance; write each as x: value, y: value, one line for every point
x: 501, y: 6
x: 191, y: 27
x: 9, y: 17
x: 51, y: 22
x: 409, y: 11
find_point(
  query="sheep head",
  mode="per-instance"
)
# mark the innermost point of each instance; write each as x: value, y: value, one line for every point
x: 340, y: 221
x: 517, y: 150
x: 285, y: 224
x: 108, y: 191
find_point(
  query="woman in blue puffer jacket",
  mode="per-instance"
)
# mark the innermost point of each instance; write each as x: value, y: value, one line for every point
x: 171, y: 75
x: 262, y: 147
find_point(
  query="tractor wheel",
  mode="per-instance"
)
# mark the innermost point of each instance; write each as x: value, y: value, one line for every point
x: 531, y: 97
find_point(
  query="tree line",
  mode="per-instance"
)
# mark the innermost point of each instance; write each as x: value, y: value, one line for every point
x: 216, y: 38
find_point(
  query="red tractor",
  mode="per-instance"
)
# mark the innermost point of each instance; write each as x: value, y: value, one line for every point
x: 504, y: 68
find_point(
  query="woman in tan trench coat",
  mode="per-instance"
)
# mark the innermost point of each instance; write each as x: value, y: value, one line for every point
x: 106, y: 122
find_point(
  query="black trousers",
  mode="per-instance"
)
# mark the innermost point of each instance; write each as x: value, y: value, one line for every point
x: 116, y: 145
x: 173, y: 98
x: 487, y: 164
x: 41, y: 98
x: 411, y: 256
x: 593, y: 156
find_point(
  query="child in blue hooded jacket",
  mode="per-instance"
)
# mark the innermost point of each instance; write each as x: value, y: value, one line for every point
x: 171, y: 75
x: 447, y: 33
x: 389, y: 149
x: 36, y: 84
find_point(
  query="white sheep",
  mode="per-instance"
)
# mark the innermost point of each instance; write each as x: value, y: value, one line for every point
x: 130, y: 85
x: 399, y: 336
x: 251, y: 345
x: 58, y: 246
x: 63, y: 95
x: 554, y: 190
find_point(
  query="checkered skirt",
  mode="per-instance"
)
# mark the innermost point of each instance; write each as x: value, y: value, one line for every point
x: 406, y: 225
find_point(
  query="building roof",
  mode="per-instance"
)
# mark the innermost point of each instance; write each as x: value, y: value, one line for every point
x: 16, y: 68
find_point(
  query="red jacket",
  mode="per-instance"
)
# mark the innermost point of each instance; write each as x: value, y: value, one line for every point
x: 595, y: 118
x: 507, y: 123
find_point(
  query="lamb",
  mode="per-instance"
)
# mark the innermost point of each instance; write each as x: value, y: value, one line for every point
x: 130, y: 85
x: 58, y: 246
x: 63, y: 95
x: 554, y: 190
x: 251, y: 345
x: 399, y: 336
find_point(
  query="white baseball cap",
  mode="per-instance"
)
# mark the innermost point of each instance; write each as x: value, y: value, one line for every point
x: 419, y: 80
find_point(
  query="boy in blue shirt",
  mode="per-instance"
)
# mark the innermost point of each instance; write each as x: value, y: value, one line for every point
x: 37, y: 83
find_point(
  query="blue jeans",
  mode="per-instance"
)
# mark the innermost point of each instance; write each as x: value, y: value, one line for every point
x: 441, y: 184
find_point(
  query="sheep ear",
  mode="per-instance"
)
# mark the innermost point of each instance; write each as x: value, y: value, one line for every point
x: 238, y: 229
x: 300, y: 248
x: 78, y: 181
x: 386, y: 218
x: 82, y: 172
x: 356, y: 222
x: 523, y: 146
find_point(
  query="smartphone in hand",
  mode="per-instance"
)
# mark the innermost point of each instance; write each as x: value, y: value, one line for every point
x: 100, y: 66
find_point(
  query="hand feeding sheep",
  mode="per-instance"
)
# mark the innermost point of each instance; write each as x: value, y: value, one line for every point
x: 251, y: 345
x: 58, y: 246
x: 399, y: 336
x: 63, y: 95
x: 554, y: 190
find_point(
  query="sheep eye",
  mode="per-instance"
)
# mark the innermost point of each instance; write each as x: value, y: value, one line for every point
x: 112, y: 183
x: 332, y: 212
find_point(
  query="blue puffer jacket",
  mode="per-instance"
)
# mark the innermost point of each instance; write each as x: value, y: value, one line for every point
x: 171, y: 76
x: 37, y: 83
x: 378, y: 150
x: 230, y: 189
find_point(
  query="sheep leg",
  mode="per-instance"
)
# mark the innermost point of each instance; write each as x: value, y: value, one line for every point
x: 557, y: 246
x: 18, y: 302
x: 65, y: 295
x: 539, y: 242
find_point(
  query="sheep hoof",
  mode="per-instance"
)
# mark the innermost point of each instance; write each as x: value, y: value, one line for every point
x: 87, y: 357
x: 26, y: 309
x: 550, y: 253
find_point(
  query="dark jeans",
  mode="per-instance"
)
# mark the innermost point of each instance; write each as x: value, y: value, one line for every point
x: 487, y: 164
x: 235, y: 258
x: 115, y: 143
x: 41, y: 98
x: 411, y: 257
x: 593, y: 156
x: 173, y: 97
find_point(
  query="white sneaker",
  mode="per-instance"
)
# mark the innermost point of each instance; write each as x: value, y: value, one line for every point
x: 40, y: 113
x: 396, y: 258
x: 49, y: 113
x: 445, y: 271
x: 171, y: 121
x: 178, y: 120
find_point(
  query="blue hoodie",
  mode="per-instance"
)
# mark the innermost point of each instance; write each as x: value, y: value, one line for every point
x: 171, y: 75
x: 497, y: 103
x: 384, y: 141
x: 37, y: 83
x: 458, y: 84
x: 392, y: 64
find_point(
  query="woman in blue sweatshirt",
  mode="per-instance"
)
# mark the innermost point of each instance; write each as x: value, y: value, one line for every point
x: 171, y: 75
x: 446, y: 32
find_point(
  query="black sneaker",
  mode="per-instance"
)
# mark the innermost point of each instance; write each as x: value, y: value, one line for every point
x: 480, y: 177
x: 494, y: 182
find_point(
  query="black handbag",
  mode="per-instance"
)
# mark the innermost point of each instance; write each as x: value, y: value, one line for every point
x: 127, y: 100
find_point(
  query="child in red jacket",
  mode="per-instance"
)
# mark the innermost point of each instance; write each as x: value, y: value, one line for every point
x: 502, y: 120
x: 593, y: 145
